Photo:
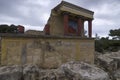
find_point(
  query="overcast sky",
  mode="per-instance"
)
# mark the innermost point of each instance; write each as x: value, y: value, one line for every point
x: 33, y: 14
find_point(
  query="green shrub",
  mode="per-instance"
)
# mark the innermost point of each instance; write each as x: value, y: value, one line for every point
x: 107, y: 45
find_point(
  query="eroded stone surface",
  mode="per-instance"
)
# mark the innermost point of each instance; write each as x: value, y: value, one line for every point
x: 116, y: 74
x: 84, y: 71
x: 11, y: 73
x: 69, y: 71
x: 110, y: 62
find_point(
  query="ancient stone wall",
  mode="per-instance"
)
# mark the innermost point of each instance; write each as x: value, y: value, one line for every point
x: 0, y: 50
x: 46, y: 52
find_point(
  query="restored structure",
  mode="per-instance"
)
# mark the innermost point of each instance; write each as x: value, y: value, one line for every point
x: 68, y: 19
x: 63, y: 40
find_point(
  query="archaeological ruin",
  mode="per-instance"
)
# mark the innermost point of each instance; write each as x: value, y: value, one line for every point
x: 63, y: 39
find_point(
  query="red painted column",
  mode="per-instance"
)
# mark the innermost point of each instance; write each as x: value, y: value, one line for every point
x: 79, y: 27
x: 90, y: 28
x: 66, y: 21
x: 47, y: 29
x: 82, y: 30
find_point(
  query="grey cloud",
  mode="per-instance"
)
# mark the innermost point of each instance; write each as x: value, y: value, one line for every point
x: 25, y: 13
x: 29, y: 12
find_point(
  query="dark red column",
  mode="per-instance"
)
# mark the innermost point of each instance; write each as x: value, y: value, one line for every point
x: 79, y: 26
x: 66, y: 21
x: 90, y: 28
x: 47, y: 29
x: 82, y: 30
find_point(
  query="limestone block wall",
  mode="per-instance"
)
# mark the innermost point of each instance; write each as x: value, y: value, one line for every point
x: 56, y: 24
x: 45, y: 52
x: 0, y: 50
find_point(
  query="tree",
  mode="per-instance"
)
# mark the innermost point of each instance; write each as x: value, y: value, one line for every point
x: 13, y: 28
x: 4, y: 28
x: 8, y: 29
x: 115, y: 34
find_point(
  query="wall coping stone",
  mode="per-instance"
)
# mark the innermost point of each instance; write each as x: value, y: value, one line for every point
x: 13, y: 35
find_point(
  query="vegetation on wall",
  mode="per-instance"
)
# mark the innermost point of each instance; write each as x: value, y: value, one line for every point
x: 4, y: 28
x: 8, y: 29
